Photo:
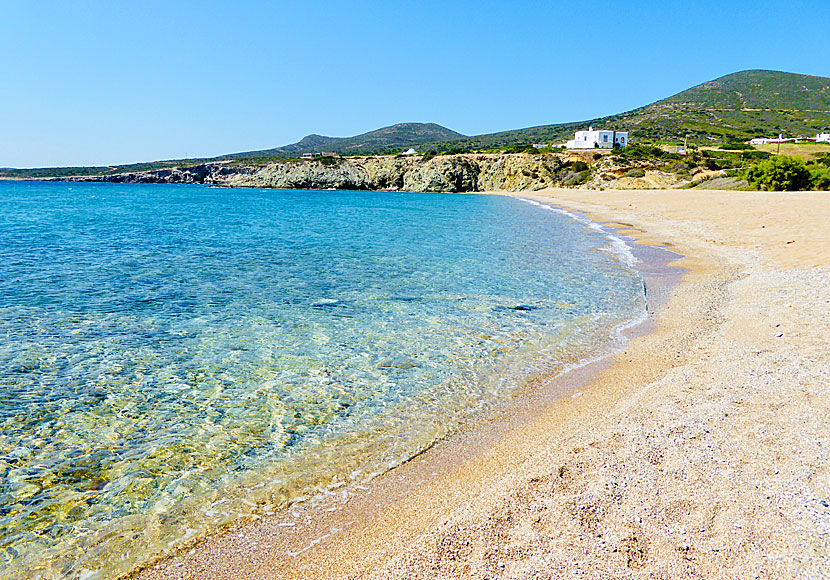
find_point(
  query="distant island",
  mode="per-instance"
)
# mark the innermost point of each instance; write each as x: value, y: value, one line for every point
x: 694, y: 138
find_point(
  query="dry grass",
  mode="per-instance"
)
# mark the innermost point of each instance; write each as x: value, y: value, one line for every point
x: 805, y: 151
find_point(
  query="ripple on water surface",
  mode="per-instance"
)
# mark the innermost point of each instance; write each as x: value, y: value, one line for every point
x: 176, y: 358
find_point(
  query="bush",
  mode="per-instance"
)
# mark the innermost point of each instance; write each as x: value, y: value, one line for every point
x: 820, y: 177
x: 577, y: 178
x: 779, y: 173
x: 521, y: 148
x: 736, y: 146
x: 597, y: 156
x: 578, y: 166
x: 755, y: 155
x: 429, y: 155
x: 635, y: 173
x: 328, y: 160
x: 641, y: 152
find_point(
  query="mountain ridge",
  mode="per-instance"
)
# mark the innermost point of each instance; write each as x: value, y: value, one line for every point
x: 397, y: 135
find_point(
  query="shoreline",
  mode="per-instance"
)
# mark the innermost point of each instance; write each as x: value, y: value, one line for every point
x: 672, y: 462
x: 476, y: 435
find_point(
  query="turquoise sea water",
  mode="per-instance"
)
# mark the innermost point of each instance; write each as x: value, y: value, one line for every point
x: 177, y: 358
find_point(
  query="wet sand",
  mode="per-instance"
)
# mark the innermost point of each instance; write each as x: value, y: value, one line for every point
x: 700, y: 451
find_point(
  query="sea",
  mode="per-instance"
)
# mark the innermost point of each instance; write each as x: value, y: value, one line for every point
x: 176, y: 359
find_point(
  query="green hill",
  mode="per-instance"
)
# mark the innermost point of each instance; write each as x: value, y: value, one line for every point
x: 757, y: 89
x: 739, y: 106
x: 385, y: 140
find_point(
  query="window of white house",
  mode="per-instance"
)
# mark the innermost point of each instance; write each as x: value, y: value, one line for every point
x: 605, y: 138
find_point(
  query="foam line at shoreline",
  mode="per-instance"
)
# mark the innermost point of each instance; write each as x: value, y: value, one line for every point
x: 622, y: 250
x: 617, y: 245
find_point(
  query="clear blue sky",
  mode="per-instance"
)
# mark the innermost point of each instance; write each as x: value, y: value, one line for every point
x: 105, y: 82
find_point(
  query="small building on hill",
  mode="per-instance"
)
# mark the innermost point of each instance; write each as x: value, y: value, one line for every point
x: 771, y: 141
x: 823, y: 138
x: 410, y: 151
x: 598, y: 139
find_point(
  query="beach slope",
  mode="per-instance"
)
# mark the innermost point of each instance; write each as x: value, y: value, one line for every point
x: 700, y: 451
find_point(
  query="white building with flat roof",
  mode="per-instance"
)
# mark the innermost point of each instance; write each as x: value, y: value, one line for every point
x: 823, y: 138
x: 601, y: 139
x: 769, y: 141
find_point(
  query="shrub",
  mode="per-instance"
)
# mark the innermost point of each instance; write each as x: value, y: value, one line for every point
x: 779, y: 173
x: 642, y: 152
x: 328, y: 160
x: 597, y: 156
x: 578, y: 166
x: 755, y: 155
x: 820, y: 177
x: 635, y: 173
x: 578, y: 178
x: 429, y: 155
x: 521, y: 148
x: 736, y: 146
x: 677, y: 168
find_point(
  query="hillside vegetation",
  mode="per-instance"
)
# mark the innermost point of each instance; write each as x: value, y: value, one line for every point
x: 736, y: 107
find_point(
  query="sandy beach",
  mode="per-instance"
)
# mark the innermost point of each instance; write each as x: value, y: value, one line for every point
x: 700, y: 451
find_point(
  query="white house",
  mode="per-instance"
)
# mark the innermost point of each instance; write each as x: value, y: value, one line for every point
x: 410, y: 151
x: 768, y: 141
x: 591, y: 139
x: 823, y: 138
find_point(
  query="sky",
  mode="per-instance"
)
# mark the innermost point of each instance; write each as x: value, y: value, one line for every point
x: 112, y: 82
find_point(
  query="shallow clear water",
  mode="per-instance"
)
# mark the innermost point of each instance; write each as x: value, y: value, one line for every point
x: 176, y: 358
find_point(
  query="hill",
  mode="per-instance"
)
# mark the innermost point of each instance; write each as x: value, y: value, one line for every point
x: 385, y: 140
x: 757, y: 89
x: 738, y: 106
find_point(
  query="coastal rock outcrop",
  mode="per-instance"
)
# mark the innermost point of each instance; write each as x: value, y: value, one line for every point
x: 445, y: 173
x: 464, y: 172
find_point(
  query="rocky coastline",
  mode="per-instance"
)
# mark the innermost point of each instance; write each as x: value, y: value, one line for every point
x: 444, y: 173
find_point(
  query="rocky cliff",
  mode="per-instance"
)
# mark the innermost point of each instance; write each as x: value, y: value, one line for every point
x: 450, y: 173
x: 445, y: 173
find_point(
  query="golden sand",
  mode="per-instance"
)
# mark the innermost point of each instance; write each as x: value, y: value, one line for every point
x: 700, y: 451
